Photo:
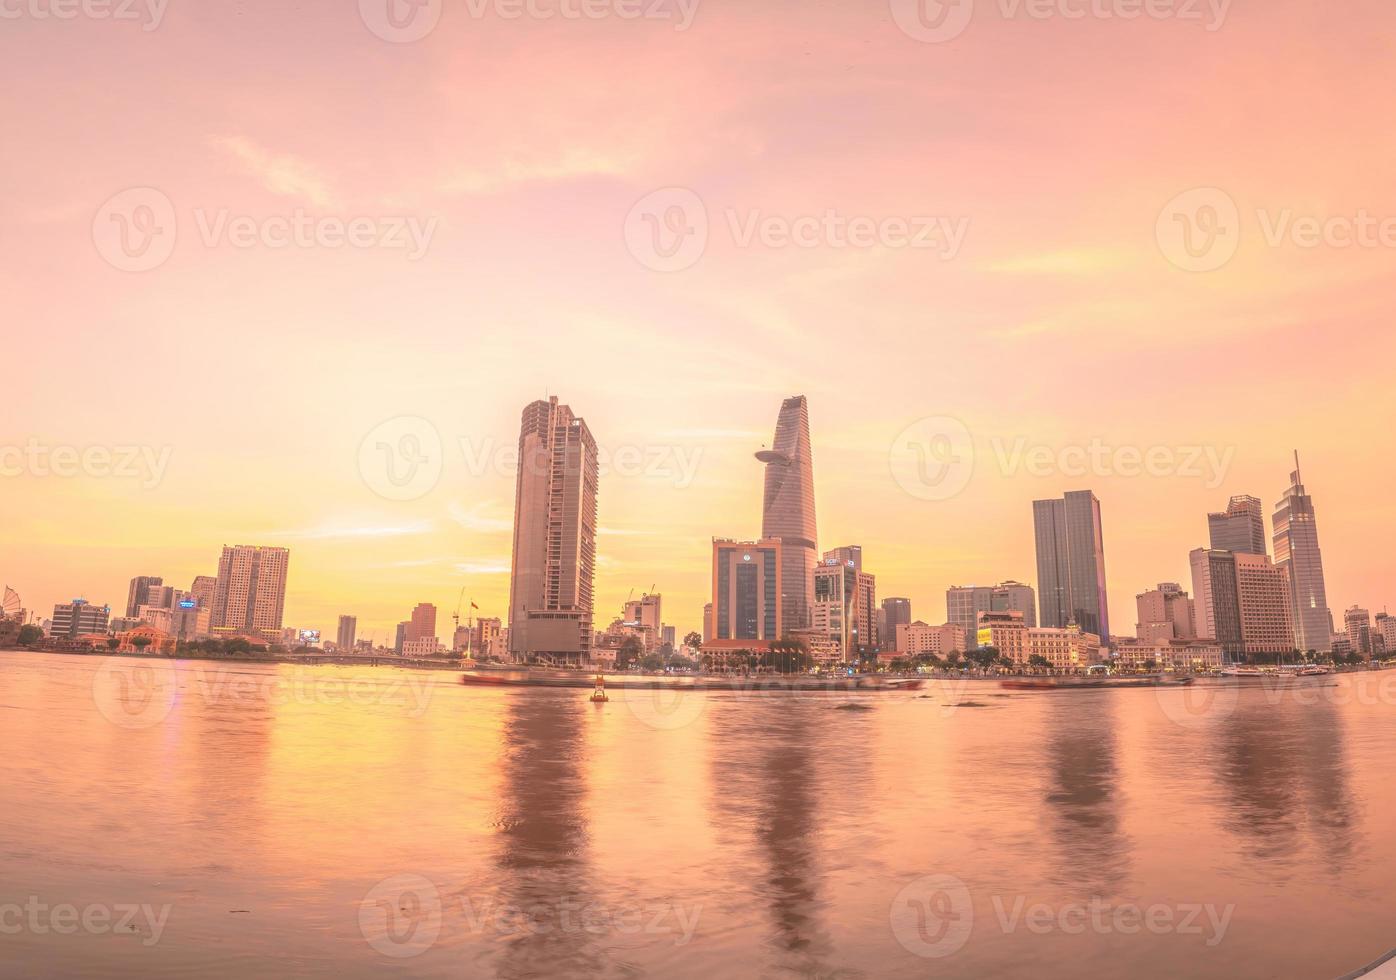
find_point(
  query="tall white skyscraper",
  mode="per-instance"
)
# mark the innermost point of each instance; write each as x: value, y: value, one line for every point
x: 550, y: 593
x: 1296, y: 549
x: 787, y: 510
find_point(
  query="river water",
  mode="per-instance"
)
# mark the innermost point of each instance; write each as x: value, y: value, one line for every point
x: 169, y: 819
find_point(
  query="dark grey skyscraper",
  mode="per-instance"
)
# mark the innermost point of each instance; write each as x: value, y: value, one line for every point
x: 139, y: 593
x: 1071, y: 563
x: 1240, y: 528
x: 787, y: 510
x: 895, y: 612
x: 1296, y: 548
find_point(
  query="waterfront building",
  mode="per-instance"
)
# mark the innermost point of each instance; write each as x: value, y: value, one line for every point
x: 895, y: 612
x: 1006, y: 632
x: 1240, y: 528
x: 1176, y: 654
x: 645, y: 615
x: 1297, y: 550
x: 964, y: 603
x: 250, y: 592
x: 79, y: 618
x: 851, y: 554
x: 1065, y: 649
x: 844, y: 600
x: 139, y: 593
x: 1242, y: 603
x: 747, y: 591
x: 1071, y: 563
x: 787, y: 510
x: 554, y: 557
x: 919, y: 639
x: 1357, y: 624
x: 1386, y: 629
x: 1165, y: 613
x: 344, y: 637
x: 422, y: 624
x: 426, y: 646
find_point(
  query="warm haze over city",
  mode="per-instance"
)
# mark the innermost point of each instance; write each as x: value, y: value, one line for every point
x: 697, y: 488
x: 259, y: 371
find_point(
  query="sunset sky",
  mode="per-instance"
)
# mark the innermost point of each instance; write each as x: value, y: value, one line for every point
x: 1064, y: 317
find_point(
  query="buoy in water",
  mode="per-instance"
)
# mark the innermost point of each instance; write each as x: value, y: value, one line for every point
x: 598, y: 696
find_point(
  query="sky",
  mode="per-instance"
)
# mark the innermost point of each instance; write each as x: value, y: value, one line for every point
x: 287, y: 274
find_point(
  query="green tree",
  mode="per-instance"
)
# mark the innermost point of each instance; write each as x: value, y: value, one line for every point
x: 29, y: 634
x: 140, y: 643
x: 113, y: 643
x: 693, y: 641
x: 630, y: 651
x: 1038, y: 660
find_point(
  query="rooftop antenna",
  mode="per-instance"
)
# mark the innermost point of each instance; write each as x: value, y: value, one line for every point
x: 1298, y: 477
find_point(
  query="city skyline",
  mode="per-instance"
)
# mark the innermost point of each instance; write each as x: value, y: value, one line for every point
x: 145, y: 583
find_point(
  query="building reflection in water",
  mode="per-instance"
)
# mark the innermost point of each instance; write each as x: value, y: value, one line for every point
x: 1090, y: 852
x: 1282, y: 780
x: 542, y: 845
x: 767, y: 803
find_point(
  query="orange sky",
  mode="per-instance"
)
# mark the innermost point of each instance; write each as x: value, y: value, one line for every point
x: 1054, y: 143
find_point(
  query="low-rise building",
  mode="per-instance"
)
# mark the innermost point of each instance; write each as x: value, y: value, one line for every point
x: 1182, y: 654
x: 919, y: 639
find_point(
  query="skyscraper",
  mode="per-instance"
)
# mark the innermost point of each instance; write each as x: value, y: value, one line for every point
x: 896, y: 611
x: 550, y: 592
x: 787, y: 510
x: 1357, y: 624
x: 1296, y: 548
x: 845, y: 600
x: 747, y: 590
x: 1240, y: 528
x: 250, y: 594
x: 422, y: 625
x: 348, y: 626
x: 1071, y: 563
x: 139, y: 593
x: 1242, y: 602
x: 849, y: 554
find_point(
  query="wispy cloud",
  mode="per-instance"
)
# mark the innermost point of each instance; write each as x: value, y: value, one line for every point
x: 331, y: 532
x: 283, y: 174
x: 482, y: 516
x: 486, y: 566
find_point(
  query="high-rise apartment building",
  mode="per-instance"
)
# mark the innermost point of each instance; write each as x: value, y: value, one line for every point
x: 348, y: 628
x: 1165, y: 613
x: 1240, y: 528
x: 646, y: 615
x: 787, y: 510
x: 139, y: 593
x: 1296, y: 549
x: 1242, y: 603
x: 203, y: 590
x: 250, y: 594
x: 1386, y: 629
x: 1071, y: 563
x: 422, y: 625
x: 747, y: 590
x: 964, y: 603
x: 554, y: 563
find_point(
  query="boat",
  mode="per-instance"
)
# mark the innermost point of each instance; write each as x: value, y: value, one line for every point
x: 1092, y: 683
x: 598, y: 696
